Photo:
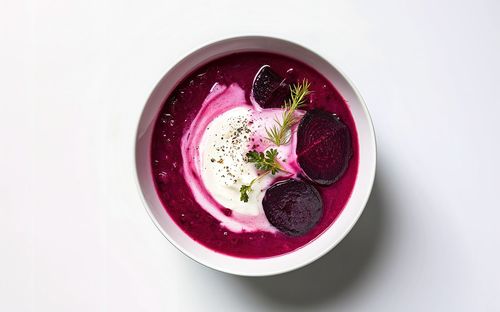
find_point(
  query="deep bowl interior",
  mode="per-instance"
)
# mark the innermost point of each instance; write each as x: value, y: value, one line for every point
x: 314, y: 249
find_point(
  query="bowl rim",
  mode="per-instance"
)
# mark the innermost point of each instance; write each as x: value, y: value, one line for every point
x: 354, y: 219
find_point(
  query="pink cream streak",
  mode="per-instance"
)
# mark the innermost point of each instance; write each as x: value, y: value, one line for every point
x: 235, y: 72
x: 221, y: 99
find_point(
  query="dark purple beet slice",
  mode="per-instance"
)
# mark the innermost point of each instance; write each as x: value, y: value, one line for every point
x: 293, y: 206
x: 323, y: 147
x: 270, y: 89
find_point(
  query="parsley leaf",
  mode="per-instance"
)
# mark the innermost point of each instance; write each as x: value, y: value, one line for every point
x: 263, y: 161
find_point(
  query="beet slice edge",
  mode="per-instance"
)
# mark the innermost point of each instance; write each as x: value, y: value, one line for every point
x: 324, y: 147
x: 269, y: 89
x: 293, y: 207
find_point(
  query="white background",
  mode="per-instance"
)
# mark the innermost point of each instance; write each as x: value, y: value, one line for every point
x: 74, y: 76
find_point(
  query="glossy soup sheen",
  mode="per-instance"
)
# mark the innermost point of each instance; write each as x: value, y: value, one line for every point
x: 176, y: 115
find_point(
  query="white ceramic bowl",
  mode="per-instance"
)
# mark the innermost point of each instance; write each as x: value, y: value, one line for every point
x: 316, y: 248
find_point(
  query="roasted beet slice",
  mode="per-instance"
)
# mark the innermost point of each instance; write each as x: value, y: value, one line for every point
x: 270, y: 89
x: 323, y: 147
x: 293, y: 206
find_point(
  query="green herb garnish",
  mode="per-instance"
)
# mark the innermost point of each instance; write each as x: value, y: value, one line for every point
x: 266, y: 162
x: 244, y: 189
x: 280, y: 133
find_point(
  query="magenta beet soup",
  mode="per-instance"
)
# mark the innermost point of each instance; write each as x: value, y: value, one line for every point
x: 254, y: 154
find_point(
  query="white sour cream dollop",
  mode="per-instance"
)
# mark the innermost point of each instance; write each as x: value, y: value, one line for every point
x: 223, y: 166
x: 214, y: 149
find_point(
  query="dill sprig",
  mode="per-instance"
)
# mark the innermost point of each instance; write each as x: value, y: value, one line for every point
x: 263, y: 161
x: 280, y: 133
